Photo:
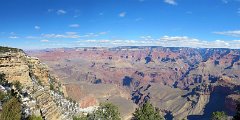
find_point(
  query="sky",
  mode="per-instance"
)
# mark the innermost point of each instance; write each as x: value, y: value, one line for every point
x: 40, y: 24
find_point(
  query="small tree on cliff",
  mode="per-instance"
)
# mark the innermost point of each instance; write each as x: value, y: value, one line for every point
x: 237, y: 115
x: 147, y: 112
x: 106, y: 111
x: 81, y: 118
x: 34, y: 117
x: 219, y: 116
x: 11, y: 110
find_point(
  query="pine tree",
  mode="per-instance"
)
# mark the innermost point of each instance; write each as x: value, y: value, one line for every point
x: 11, y: 110
x: 147, y: 112
x: 219, y: 116
x: 107, y: 111
x: 34, y: 117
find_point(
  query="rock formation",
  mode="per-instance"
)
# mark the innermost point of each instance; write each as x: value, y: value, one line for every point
x: 36, y: 96
x: 183, y: 81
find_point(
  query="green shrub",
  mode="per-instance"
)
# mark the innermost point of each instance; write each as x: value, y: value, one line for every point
x: 80, y: 118
x: 51, y: 87
x: 219, y: 116
x: 11, y: 110
x: 8, y: 49
x: 34, y: 117
x: 2, y: 79
x: 147, y: 112
x: 106, y: 111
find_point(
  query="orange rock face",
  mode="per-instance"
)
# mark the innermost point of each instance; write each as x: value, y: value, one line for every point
x: 88, y: 101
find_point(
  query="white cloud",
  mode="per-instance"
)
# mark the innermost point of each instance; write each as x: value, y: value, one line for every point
x: 50, y: 10
x: 185, y: 41
x: 177, y: 38
x: 102, y: 33
x: 220, y: 43
x: 237, y: 41
x: 37, y: 27
x: 75, y: 16
x: 12, y: 33
x: 89, y: 41
x: 147, y: 37
x: 122, y: 14
x: 171, y: 2
x: 166, y: 41
x: 31, y: 37
x: 73, y: 35
x: 13, y: 37
x: 60, y: 36
x: 45, y: 40
x: 61, y: 12
x: 74, y: 25
x: 238, y: 11
x: 235, y: 33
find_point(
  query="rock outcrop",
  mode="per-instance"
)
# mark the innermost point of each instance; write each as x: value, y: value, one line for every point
x: 42, y: 94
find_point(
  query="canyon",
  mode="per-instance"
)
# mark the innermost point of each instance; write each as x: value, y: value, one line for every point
x: 184, y: 83
x: 188, y: 83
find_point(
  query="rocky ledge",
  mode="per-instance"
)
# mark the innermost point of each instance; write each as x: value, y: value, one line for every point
x: 41, y: 94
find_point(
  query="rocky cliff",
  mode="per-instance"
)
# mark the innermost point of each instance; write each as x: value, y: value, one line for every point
x: 42, y: 94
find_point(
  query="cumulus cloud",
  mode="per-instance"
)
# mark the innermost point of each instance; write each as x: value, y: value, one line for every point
x: 45, y: 40
x: 185, y: 41
x: 171, y: 2
x: 72, y: 35
x: 238, y: 11
x: 147, y: 37
x: 122, y: 14
x: 61, y: 12
x: 102, y: 33
x: 31, y: 37
x: 13, y: 37
x: 74, y: 25
x: 37, y: 27
x: 235, y: 33
x: 50, y: 10
x: 12, y: 33
x: 177, y: 38
x: 166, y: 41
x: 60, y: 36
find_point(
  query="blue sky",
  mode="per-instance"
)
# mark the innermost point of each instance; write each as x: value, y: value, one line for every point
x: 37, y: 24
